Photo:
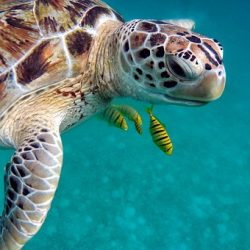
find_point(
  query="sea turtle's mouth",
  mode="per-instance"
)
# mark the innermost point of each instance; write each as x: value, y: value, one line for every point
x: 185, y: 102
x: 158, y: 97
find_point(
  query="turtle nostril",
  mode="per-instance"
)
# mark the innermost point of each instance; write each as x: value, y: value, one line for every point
x: 220, y: 73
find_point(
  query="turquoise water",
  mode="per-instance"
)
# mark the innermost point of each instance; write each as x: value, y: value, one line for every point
x: 118, y: 191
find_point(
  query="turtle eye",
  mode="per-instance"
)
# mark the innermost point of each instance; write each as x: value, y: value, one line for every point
x: 177, y: 69
x: 183, y: 69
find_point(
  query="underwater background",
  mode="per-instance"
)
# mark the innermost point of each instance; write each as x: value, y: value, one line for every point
x: 119, y: 191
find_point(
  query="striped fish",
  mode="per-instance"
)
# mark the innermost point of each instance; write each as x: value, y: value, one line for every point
x: 159, y: 134
x: 132, y: 115
x: 115, y: 117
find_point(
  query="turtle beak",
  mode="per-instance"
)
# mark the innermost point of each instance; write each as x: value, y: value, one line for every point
x: 212, y: 86
x: 208, y: 89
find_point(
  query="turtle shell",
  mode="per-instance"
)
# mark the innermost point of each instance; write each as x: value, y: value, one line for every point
x: 45, y: 41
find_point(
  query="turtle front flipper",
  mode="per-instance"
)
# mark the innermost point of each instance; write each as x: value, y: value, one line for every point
x: 31, y: 180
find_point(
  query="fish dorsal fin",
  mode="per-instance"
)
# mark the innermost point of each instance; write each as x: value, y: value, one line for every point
x: 149, y: 110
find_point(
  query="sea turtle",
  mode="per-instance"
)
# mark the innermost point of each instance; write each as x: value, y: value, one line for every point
x: 63, y: 61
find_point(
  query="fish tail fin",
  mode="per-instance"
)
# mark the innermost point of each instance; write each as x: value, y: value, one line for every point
x: 149, y: 110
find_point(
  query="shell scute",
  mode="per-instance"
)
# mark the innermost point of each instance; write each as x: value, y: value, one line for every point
x: 45, y: 41
x: 18, y: 33
x: 7, y: 85
x: 47, y: 62
x: 58, y: 16
x: 3, y: 84
x: 78, y: 42
x: 93, y: 15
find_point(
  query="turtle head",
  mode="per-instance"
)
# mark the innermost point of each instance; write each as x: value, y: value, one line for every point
x: 167, y: 63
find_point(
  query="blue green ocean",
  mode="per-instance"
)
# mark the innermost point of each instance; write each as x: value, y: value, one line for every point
x: 118, y: 191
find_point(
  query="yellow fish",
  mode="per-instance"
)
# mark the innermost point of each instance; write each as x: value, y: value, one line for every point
x: 159, y: 134
x: 132, y: 115
x: 113, y: 116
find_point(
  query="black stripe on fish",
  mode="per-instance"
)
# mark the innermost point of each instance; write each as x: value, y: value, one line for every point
x: 158, y: 131
x: 162, y: 138
x: 155, y: 125
x: 117, y: 118
x: 165, y: 144
x: 121, y: 122
x: 112, y: 115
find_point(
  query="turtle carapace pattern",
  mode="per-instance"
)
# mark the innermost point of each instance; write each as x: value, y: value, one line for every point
x: 62, y: 62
